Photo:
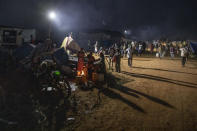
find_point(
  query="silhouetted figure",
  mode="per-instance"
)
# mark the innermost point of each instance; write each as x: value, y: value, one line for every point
x: 183, y: 55
x: 129, y: 56
x: 117, y: 60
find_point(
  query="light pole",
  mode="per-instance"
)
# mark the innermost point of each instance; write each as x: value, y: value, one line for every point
x: 51, y: 16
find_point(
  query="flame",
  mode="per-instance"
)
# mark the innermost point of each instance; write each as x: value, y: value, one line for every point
x: 78, y: 73
x: 82, y: 73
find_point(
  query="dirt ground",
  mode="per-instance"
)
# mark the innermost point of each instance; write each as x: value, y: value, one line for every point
x: 152, y: 95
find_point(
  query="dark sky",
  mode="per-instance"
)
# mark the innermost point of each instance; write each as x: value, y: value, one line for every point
x: 146, y: 19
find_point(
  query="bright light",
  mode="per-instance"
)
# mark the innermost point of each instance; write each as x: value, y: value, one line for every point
x: 127, y: 32
x: 52, y: 15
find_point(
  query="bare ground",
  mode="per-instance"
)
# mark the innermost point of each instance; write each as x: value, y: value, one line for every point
x: 152, y: 95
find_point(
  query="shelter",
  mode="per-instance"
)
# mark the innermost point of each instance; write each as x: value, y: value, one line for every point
x: 70, y: 44
x: 193, y: 47
x: 16, y: 36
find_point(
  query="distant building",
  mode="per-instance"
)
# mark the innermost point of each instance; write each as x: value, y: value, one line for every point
x: 15, y: 36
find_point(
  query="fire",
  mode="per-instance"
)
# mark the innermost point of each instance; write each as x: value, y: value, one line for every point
x: 78, y: 73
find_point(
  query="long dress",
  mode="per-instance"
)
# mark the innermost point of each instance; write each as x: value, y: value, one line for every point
x: 80, y: 64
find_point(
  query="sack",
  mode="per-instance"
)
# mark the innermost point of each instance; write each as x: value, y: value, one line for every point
x: 157, y: 54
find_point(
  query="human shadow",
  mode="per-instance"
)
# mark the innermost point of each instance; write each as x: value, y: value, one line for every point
x: 136, y: 93
x: 163, y: 70
x: 112, y: 94
x: 141, y: 60
x: 106, y: 91
x: 152, y: 98
x: 192, y: 67
x: 158, y: 78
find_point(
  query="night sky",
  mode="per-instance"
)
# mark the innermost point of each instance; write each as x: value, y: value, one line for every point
x: 146, y: 19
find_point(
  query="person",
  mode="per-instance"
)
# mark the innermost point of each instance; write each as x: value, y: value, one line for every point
x: 118, y: 59
x: 187, y: 54
x: 32, y: 40
x: 172, y: 52
x: 177, y: 50
x: 100, y: 50
x: 121, y: 50
x: 80, y: 64
x: 54, y: 45
x: 91, y: 61
x: 19, y: 39
x: 151, y: 48
x: 140, y: 49
x: 143, y: 47
x: 124, y: 50
x: 96, y: 47
x: 164, y: 50
x: 132, y: 44
x: 183, y: 55
x: 115, y: 46
x: 111, y: 54
x: 129, y: 56
x: 101, y: 62
x: 160, y: 51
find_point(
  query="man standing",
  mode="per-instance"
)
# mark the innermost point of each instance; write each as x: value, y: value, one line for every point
x: 188, y: 52
x: 91, y: 61
x: 151, y: 48
x: 111, y: 54
x: 160, y: 51
x: 80, y: 64
x: 96, y: 47
x: 172, y: 51
x: 183, y: 55
x: 124, y: 50
x: 118, y: 59
x: 129, y: 56
x: 140, y: 49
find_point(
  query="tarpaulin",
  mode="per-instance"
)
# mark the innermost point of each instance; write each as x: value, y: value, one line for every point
x: 69, y: 43
x: 61, y: 56
x: 193, y: 47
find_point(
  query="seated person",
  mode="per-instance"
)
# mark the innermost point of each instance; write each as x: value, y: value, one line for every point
x: 100, y: 64
x: 91, y: 61
x: 80, y: 64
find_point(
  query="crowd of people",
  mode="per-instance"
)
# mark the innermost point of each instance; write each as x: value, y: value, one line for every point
x: 159, y: 49
x: 92, y: 64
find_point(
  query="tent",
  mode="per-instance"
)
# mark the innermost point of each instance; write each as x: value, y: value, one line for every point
x: 60, y: 56
x: 193, y: 47
x: 69, y: 44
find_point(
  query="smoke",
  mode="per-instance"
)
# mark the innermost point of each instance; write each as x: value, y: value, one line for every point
x: 147, y: 19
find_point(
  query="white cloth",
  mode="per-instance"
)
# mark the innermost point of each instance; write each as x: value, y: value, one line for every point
x: 96, y: 50
x: 132, y: 43
x: 140, y: 47
x: 69, y: 43
x: 183, y: 52
x: 129, y: 52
